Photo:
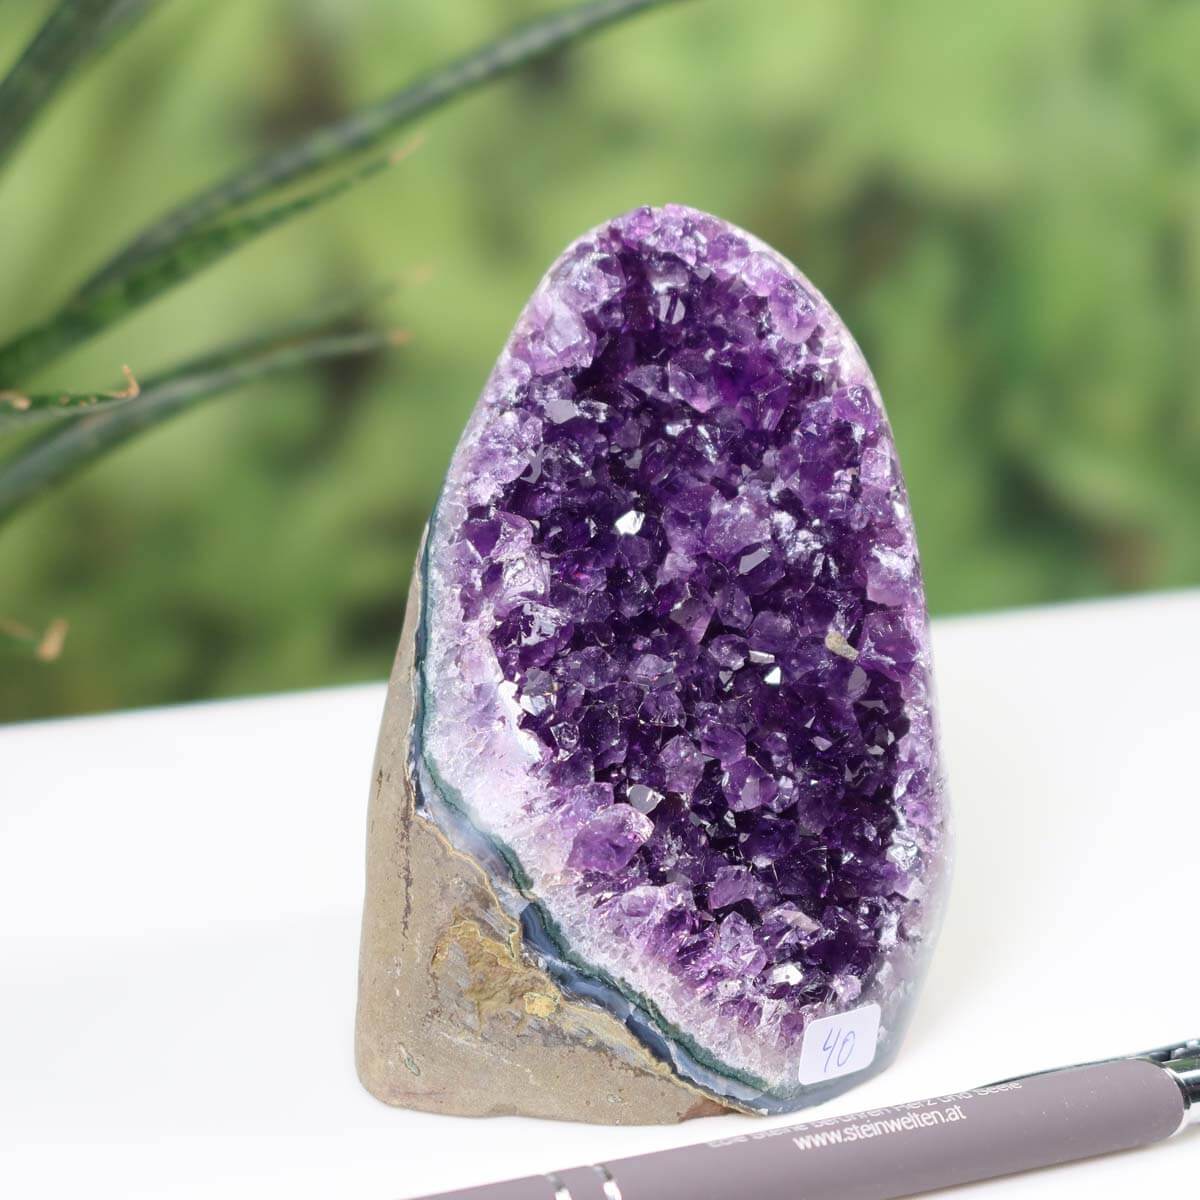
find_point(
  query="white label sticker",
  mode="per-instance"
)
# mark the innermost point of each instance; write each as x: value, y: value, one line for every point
x: 839, y: 1045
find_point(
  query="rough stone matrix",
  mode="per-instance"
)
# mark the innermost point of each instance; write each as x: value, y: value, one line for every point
x: 673, y: 676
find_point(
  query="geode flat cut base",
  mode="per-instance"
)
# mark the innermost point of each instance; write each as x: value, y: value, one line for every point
x: 670, y: 775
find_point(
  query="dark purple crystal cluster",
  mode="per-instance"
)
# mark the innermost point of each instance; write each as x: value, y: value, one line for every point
x: 677, y: 660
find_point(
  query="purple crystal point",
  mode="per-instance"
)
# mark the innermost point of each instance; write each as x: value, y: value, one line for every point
x: 675, y: 673
x: 608, y: 841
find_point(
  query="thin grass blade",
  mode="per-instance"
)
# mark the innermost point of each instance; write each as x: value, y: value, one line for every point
x: 341, y: 141
x: 95, y: 309
x: 18, y: 411
x: 74, y: 34
x: 66, y: 448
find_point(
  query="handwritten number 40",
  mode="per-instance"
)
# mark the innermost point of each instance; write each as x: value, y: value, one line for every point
x: 838, y: 1047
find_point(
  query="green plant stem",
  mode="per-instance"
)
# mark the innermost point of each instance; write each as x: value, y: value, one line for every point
x: 368, y: 127
x: 68, y: 447
x: 76, y: 31
x: 93, y: 310
x: 18, y: 411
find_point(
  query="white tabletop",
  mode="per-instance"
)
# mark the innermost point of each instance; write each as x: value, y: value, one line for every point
x: 179, y: 896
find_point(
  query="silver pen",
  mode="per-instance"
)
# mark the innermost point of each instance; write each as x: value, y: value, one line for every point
x: 1014, y: 1125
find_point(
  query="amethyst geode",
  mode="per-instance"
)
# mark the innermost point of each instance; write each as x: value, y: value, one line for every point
x: 674, y: 687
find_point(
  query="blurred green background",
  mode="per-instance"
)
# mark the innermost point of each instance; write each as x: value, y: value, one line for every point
x: 1002, y: 201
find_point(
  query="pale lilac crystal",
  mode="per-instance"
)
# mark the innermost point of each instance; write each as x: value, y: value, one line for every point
x: 675, y: 654
x: 747, y: 785
x: 682, y: 765
x: 609, y: 839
